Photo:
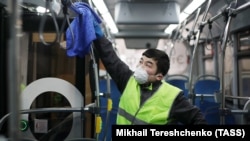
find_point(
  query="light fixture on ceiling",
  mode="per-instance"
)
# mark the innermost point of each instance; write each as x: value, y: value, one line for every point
x: 40, y: 9
x: 103, y: 10
x: 185, y: 13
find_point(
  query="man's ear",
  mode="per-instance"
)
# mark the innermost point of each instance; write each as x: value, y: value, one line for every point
x: 159, y: 76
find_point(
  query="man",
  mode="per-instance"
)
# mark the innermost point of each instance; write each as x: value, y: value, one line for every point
x: 146, y: 98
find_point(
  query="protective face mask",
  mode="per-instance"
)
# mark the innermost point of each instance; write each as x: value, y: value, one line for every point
x: 141, y: 75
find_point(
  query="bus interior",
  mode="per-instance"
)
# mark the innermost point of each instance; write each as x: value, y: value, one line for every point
x: 47, y: 95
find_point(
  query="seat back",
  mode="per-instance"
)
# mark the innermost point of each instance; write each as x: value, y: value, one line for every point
x: 204, y: 89
x: 179, y: 81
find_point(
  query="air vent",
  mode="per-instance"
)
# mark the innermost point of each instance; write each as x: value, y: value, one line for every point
x: 139, y: 43
x: 147, y: 12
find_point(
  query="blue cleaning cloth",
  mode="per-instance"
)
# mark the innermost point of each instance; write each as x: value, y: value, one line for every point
x: 83, y: 27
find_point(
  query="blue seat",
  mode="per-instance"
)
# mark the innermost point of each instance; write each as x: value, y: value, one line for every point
x: 204, y: 89
x: 211, y: 112
x: 179, y: 81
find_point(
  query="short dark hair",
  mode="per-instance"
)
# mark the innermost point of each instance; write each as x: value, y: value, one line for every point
x: 161, y: 58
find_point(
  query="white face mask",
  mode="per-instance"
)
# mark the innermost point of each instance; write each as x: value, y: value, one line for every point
x: 141, y: 75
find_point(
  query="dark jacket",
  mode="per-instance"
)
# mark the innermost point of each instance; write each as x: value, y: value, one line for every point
x: 182, y: 110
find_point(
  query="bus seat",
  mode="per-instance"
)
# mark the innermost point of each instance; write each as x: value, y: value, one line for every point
x: 179, y: 81
x: 211, y: 111
x: 205, y: 87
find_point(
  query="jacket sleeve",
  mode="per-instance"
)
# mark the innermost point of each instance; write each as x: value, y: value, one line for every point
x: 186, y: 113
x: 117, y: 69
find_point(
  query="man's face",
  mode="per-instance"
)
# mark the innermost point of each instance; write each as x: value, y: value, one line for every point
x: 151, y: 67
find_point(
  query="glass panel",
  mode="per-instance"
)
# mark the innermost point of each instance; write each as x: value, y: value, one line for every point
x: 243, y: 67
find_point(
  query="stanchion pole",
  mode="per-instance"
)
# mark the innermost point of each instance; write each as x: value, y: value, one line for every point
x: 13, y: 76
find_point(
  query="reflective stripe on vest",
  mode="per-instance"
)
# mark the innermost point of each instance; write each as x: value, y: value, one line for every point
x: 130, y: 117
x: 155, y: 110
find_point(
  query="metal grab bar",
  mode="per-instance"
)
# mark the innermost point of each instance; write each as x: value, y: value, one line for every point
x: 233, y: 11
x: 223, y: 46
x: 66, y: 4
x: 13, y: 56
x: 190, y: 83
x: 41, y: 110
x: 98, y: 118
x: 244, y: 111
x: 43, y: 21
x: 89, y: 108
x: 237, y: 97
x: 194, y: 51
x: 191, y: 33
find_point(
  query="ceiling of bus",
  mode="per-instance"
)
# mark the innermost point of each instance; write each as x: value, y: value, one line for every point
x: 156, y: 29
x: 140, y: 35
x: 144, y: 35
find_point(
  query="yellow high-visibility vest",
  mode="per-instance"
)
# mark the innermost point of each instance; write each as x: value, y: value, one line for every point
x: 155, y: 110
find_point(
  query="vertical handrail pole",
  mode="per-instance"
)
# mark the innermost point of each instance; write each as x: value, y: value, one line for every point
x: 97, y: 94
x: 190, y: 89
x: 98, y: 120
x: 109, y: 106
x: 13, y: 67
x: 223, y: 47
